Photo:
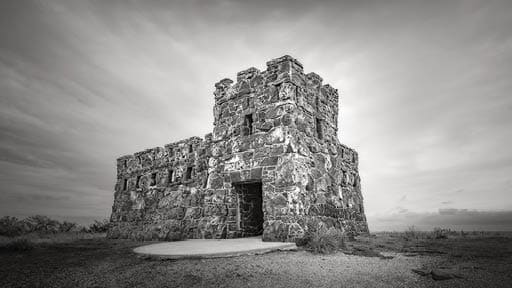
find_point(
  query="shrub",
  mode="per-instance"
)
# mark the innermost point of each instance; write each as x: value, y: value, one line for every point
x: 41, y: 224
x: 99, y: 226
x: 440, y: 233
x: 67, y: 226
x: 319, y: 239
x: 20, y: 244
x: 411, y: 233
x: 10, y: 226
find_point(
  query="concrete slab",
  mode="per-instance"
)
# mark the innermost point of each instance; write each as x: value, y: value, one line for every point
x: 212, y: 248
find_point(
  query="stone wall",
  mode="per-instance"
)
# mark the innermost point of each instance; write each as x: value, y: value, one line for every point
x: 278, y: 128
x: 158, y: 191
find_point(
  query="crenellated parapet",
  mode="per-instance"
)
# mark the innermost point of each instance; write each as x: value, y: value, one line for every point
x: 221, y: 90
x: 161, y: 166
x: 283, y: 83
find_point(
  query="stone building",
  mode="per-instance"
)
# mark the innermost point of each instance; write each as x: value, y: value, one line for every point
x: 272, y: 166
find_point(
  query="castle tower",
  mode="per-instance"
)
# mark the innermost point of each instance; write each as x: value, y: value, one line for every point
x: 272, y: 166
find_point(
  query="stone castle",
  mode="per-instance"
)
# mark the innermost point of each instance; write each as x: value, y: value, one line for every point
x: 273, y: 166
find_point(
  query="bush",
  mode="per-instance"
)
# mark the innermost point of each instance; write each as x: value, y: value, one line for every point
x: 319, y: 239
x: 20, y: 244
x: 99, y: 226
x: 411, y: 233
x: 10, y: 226
x: 41, y: 224
x: 440, y: 233
x: 67, y: 226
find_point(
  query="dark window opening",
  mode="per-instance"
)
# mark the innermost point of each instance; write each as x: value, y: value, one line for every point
x: 188, y: 174
x: 171, y: 152
x: 319, y: 132
x: 317, y: 102
x: 190, y: 148
x: 277, y: 91
x: 137, y: 184
x: 125, y: 163
x: 125, y: 184
x: 139, y: 159
x: 153, y: 179
x: 171, y: 176
x: 311, y: 184
x: 205, y: 182
x: 247, y: 127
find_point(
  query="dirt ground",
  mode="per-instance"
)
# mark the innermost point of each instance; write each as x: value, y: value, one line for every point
x: 480, y: 261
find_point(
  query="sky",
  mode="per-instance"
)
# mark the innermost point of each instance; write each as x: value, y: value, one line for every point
x: 424, y: 96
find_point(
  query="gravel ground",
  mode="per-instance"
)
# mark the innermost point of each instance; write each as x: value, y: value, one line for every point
x: 103, y: 263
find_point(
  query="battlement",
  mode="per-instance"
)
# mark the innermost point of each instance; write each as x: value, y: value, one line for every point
x: 247, y: 74
x: 285, y: 58
x: 282, y: 83
x: 163, y: 156
x: 282, y: 69
x: 279, y: 70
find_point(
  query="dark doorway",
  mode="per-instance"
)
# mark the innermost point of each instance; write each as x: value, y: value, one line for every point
x: 250, y: 208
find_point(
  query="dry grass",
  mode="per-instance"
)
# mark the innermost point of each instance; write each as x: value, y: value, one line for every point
x: 453, y: 244
x: 322, y: 240
x: 29, y: 241
x: 100, y: 262
x: 34, y: 231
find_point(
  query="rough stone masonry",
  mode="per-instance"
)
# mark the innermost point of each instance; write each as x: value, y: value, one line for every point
x: 272, y: 166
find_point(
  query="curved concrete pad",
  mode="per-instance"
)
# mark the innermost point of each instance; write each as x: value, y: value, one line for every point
x: 212, y: 248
